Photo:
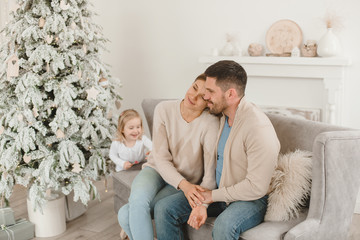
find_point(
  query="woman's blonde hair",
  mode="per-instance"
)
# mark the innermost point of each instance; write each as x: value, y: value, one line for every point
x: 124, y: 117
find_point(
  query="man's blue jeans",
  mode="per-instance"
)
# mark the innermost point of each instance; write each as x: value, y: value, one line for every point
x: 232, y: 220
x: 147, y: 188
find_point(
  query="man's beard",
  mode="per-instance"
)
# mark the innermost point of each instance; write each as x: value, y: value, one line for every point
x: 219, y: 107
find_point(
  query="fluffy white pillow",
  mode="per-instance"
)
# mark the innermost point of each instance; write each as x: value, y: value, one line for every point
x: 290, y: 186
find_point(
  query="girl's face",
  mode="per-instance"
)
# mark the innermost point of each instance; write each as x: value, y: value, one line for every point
x: 132, y: 129
x: 194, y: 96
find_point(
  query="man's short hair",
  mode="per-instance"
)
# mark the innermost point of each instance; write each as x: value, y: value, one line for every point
x: 228, y: 74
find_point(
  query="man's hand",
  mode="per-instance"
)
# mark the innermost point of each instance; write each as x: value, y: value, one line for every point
x: 206, y: 194
x: 127, y: 165
x: 197, y: 217
x: 191, y: 193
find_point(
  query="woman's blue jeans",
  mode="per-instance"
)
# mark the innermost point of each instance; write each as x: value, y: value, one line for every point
x: 232, y: 220
x: 135, y: 217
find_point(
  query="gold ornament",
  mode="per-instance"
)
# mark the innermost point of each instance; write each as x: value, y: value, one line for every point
x: 27, y: 158
x: 103, y: 82
x: 60, y: 134
x: 13, y: 67
x: 41, y: 22
x: 118, y: 104
x: 76, y: 168
x: 92, y: 93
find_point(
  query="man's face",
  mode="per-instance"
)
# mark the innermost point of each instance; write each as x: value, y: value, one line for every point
x: 214, y: 96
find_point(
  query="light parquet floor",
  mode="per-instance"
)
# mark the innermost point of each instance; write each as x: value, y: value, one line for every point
x: 100, y: 221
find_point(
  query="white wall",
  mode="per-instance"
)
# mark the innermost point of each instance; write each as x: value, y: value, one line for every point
x: 155, y: 45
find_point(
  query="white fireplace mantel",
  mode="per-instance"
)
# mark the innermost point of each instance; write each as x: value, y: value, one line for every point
x: 330, y: 70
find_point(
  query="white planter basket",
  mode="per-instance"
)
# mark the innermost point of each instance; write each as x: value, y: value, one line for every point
x: 52, y: 221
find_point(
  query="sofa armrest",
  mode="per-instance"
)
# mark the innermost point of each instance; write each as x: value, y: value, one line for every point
x: 335, y: 184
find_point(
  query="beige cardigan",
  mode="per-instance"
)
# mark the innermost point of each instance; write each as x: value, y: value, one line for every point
x: 250, y: 156
x: 183, y: 150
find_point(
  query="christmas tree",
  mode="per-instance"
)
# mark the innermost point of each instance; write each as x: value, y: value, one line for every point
x: 56, y: 101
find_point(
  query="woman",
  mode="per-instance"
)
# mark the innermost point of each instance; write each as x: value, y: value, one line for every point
x: 183, y: 156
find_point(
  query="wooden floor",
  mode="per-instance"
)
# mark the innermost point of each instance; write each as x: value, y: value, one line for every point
x: 100, y: 221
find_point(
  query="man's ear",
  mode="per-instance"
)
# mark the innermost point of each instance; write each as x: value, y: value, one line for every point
x: 231, y: 93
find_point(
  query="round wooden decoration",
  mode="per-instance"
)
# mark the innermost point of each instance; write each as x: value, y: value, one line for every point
x: 283, y: 36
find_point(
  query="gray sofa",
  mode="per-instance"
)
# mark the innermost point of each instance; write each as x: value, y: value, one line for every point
x: 335, y: 181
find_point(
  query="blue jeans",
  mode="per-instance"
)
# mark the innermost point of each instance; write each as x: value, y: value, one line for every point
x: 232, y: 220
x: 135, y: 217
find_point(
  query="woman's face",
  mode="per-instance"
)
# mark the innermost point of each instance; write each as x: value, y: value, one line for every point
x: 194, y: 96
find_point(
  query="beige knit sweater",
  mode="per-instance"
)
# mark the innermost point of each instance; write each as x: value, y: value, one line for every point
x: 250, y: 156
x: 183, y: 150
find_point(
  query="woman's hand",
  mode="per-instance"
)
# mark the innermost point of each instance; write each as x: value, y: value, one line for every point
x: 127, y: 165
x: 191, y: 193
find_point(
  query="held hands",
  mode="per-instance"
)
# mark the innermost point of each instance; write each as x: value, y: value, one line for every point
x: 206, y: 194
x: 197, y: 217
x: 191, y: 193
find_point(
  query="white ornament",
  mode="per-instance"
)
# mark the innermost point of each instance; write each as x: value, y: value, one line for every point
x: 85, y: 48
x: 49, y: 39
x: 60, y: 134
x: 76, y: 168
x: 73, y: 26
x: 64, y: 6
x: 35, y: 112
x: 92, y: 93
x: 79, y: 74
x: 109, y: 114
x: 2, y: 129
x: 295, y: 52
x: 41, y: 22
x: 13, y: 67
x: 20, y: 117
x: 27, y: 158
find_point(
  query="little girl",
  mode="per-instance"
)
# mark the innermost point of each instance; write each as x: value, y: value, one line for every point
x: 131, y: 145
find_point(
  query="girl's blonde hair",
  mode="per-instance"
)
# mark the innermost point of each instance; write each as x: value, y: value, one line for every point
x: 124, y: 117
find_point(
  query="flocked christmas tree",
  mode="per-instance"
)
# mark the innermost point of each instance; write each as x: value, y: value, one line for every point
x: 56, y: 99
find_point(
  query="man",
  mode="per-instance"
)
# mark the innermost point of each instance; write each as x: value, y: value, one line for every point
x: 247, y: 151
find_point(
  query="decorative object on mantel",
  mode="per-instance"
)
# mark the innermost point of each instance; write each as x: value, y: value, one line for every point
x: 232, y: 46
x: 309, y: 49
x: 329, y: 44
x: 295, y: 52
x: 283, y: 36
x: 255, y: 49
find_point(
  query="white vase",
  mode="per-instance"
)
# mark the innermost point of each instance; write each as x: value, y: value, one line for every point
x: 52, y: 221
x: 329, y: 45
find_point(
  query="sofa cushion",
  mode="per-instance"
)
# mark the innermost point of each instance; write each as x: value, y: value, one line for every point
x: 290, y: 186
x: 272, y: 230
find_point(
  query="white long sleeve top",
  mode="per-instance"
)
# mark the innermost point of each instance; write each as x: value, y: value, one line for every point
x: 119, y: 153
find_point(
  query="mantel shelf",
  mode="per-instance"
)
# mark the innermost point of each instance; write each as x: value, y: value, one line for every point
x: 313, y: 61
